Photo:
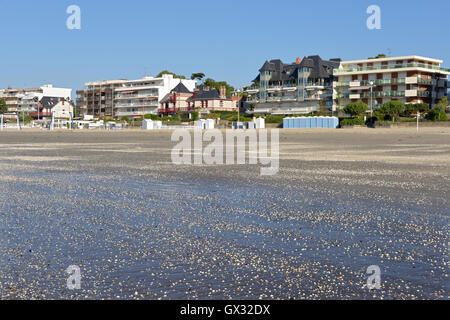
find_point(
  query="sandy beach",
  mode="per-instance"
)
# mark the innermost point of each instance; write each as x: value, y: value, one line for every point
x: 140, y: 227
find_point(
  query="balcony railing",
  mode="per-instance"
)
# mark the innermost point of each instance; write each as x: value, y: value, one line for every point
x: 397, y: 66
x: 40, y: 114
x: 425, y: 81
x: 382, y: 94
x: 137, y: 104
x: 136, y: 96
x: 379, y: 82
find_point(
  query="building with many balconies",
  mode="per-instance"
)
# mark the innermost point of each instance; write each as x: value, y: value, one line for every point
x: 127, y: 98
x: 409, y: 79
x: 29, y: 100
x: 98, y: 98
x: 298, y: 88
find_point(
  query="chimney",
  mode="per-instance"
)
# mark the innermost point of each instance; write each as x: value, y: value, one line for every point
x: 298, y: 61
x: 223, y: 92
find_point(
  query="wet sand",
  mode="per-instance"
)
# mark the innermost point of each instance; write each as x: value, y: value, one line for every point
x: 139, y: 227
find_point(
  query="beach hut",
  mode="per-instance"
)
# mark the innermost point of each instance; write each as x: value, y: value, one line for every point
x: 260, y: 123
x: 311, y: 123
x: 151, y: 125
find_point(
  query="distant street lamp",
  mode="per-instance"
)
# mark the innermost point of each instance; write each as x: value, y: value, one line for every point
x: 371, y: 100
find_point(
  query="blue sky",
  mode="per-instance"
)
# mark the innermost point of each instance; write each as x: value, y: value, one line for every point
x: 226, y: 40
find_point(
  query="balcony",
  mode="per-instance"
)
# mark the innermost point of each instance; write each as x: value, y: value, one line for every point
x: 253, y: 90
x: 175, y: 110
x: 281, y: 98
x: 396, y: 66
x: 289, y: 87
x: 428, y: 82
x: 140, y: 86
x: 375, y: 94
x: 136, y: 96
x: 168, y: 110
x: 129, y: 113
x: 289, y: 98
x: 379, y: 82
x: 138, y: 104
x: 40, y: 114
x: 423, y: 94
x: 417, y: 93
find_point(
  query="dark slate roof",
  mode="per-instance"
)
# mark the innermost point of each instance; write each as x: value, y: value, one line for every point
x: 285, y: 72
x: 268, y: 66
x: 203, y: 94
x: 50, y: 102
x: 181, y: 88
x: 166, y: 98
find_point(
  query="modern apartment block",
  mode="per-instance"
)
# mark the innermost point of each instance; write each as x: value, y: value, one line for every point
x: 29, y: 100
x: 298, y: 88
x: 409, y: 79
x: 98, y: 98
x: 127, y: 98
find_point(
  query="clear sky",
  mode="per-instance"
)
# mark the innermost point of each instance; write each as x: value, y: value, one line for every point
x: 227, y: 40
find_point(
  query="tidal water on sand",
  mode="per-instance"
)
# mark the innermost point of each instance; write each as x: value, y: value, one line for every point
x: 136, y: 236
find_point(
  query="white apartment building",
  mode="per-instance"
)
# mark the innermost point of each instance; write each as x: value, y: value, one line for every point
x: 409, y: 79
x: 28, y: 99
x: 127, y: 98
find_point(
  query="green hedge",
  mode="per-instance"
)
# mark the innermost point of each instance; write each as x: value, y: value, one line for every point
x: 275, y: 119
x: 352, y: 122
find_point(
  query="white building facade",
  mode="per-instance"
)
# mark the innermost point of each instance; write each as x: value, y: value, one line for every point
x: 408, y: 79
x: 137, y: 98
x: 127, y: 98
x: 28, y: 99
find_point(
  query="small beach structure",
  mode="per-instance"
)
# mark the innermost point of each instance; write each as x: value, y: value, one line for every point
x: 148, y: 124
x: 311, y: 123
x: 205, y: 124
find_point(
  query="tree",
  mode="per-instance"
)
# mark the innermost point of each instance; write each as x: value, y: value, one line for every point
x: 410, y: 109
x: 443, y: 102
x: 3, y: 107
x: 168, y: 72
x: 438, y: 111
x: 355, y: 108
x: 393, y: 109
x: 151, y: 117
x: 381, y: 55
x: 28, y: 119
x: 413, y: 108
x: 194, y: 115
x: 197, y: 76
